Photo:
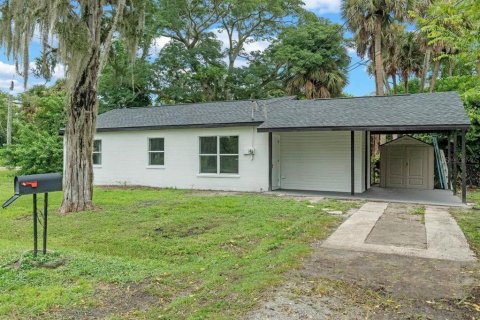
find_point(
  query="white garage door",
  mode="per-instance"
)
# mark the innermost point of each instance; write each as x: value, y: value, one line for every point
x: 319, y: 161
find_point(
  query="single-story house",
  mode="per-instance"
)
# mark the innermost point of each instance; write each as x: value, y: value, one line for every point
x: 260, y: 145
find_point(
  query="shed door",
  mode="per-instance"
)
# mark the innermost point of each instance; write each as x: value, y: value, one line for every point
x: 416, y: 172
x: 396, y: 168
x: 407, y: 167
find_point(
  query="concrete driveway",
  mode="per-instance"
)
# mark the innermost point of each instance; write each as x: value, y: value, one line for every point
x: 386, y: 261
x: 373, y: 229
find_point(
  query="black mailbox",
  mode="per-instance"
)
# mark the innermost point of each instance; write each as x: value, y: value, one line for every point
x: 34, y: 184
x: 37, y: 183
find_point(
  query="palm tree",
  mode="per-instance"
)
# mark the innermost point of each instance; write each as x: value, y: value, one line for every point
x: 313, y: 58
x: 392, y: 45
x: 366, y: 19
x: 410, y: 58
x: 317, y: 83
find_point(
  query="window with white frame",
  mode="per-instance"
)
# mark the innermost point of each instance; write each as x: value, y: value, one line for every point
x: 219, y: 154
x: 156, y: 151
x: 97, y: 152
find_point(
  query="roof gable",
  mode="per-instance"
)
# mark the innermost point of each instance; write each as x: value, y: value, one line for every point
x: 406, y: 140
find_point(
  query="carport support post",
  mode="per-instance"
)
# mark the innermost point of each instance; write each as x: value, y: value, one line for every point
x: 35, y: 224
x: 449, y: 162
x: 270, y: 160
x: 464, y: 169
x: 352, y: 161
x: 455, y: 165
x: 45, y: 214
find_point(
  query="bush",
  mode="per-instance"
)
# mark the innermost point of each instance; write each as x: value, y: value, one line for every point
x: 37, y: 145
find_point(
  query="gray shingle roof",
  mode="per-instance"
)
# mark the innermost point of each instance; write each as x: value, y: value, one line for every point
x: 196, y: 114
x: 427, y: 110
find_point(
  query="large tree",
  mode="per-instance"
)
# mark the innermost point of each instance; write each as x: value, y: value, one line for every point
x: 367, y: 19
x: 79, y: 35
x: 245, y: 21
x: 123, y: 82
x: 314, y: 57
x: 190, y: 75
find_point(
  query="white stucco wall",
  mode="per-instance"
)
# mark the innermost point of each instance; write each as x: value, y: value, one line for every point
x: 125, y: 160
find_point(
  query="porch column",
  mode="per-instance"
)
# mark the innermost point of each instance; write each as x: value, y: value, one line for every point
x: 464, y: 169
x: 455, y: 165
x: 352, y: 161
x: 270, y: 160
x: 449, y: 160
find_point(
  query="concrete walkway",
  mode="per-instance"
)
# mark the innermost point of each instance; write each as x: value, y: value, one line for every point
x: 445, y: 239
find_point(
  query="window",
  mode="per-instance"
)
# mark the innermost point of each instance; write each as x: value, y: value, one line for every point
x: 97, y: 152
x: 156, y: 152
x: 219, y: 155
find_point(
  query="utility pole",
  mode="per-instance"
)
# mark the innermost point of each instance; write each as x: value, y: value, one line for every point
x: 10, y: 116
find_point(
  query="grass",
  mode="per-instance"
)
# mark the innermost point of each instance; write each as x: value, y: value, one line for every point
x: 419, y: 211
x: 151, y: 253
x: 469, y: 220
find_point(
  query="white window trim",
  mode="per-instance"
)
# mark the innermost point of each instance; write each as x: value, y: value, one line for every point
x: 155, y: 166
x: 98, y: 152
x: 218, y: 155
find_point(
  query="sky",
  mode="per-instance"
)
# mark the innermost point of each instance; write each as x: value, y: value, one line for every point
x: 359, y: 82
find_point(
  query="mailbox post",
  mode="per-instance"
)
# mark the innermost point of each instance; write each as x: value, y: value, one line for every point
x: 35, y: 184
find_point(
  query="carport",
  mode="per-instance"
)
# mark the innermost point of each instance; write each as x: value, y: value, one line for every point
x: 324, y: 145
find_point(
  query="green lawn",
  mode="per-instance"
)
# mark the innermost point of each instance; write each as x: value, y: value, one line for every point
x: 156, y: 253
x: 469, y: 220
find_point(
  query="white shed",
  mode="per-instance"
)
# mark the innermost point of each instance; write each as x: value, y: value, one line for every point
x: 406, y: 163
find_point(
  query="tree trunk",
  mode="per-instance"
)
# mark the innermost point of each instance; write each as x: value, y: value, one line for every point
x: 378, y: 57
x: 394, y: 81
x: 208, y: 89
x: 383, y: 138
x: 436, y: 68
x: 379, y: 81
x: 309, y: 88
x: 80, y: 129
x: 375, y: 144
x: 451, y: 66
x: 405, y: 83
x: 426, y: 66
x: 385, y: 80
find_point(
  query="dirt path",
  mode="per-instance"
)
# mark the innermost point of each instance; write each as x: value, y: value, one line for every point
x: 339, y: 283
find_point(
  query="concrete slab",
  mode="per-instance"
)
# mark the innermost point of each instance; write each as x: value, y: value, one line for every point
x: 402, y: 225
x: 445, y: 239
x: 436, y: 197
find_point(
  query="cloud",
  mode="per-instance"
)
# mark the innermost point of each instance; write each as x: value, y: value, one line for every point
x: 323, y: 6
x: 6, y: 69
x: 351, y: 51
x: 260, y: 45
x: 158, y: 44
x: 5, y: 86
x: 8, y: 74
x: 58, y: 72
